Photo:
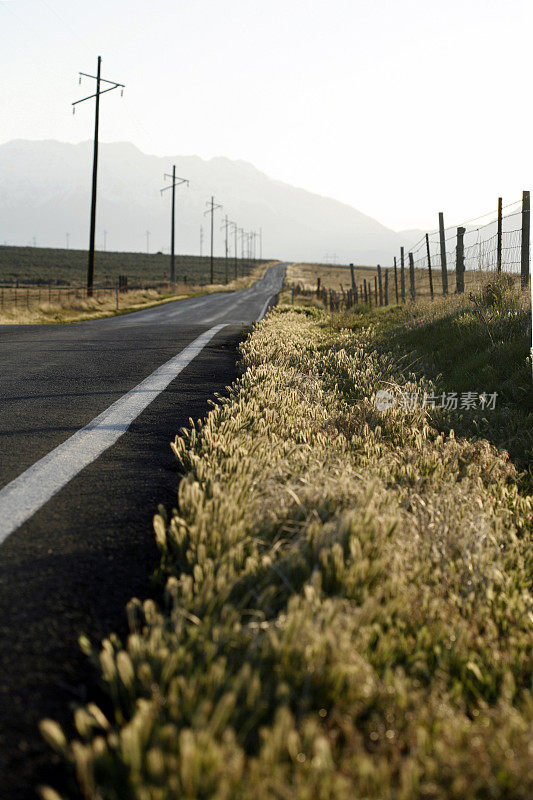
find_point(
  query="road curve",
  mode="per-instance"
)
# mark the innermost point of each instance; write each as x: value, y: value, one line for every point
x: 118, y: 390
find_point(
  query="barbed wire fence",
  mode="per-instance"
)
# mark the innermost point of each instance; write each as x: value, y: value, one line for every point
x: 451, y: 260
x: 446, y: 261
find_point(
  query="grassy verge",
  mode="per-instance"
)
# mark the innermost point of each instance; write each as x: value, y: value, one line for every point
x: 347, y: 608
x: 476, y: 343
x: 72, y: 309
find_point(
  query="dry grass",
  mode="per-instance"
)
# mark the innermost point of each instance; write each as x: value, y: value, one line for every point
x: 347, y: 608
x: 331, y: 277
x: 335, y: 277
x: 33, y: 307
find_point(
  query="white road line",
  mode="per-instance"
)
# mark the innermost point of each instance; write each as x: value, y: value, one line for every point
x: 263, y: 310
x: 25, y: 495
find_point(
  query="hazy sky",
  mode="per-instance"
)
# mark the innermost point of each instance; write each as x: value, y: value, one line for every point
x: 400, y: 108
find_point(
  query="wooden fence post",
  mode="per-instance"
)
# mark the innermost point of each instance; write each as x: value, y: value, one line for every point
x: 386, y: 287
x: 526, y: 227
x: 412, y: 276
x: 376, y: 289
x: 352, y: 273
x: 460, y: 262
x: 364, y: 286
x: 402, y: 273
x: 380, y: 284
x: 396, y: 280
x: 443, y: 264
x: 318, y: 287
x: 500, y: 237
x: 429, y: 266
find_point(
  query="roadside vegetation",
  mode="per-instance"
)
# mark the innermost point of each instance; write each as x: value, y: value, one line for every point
x: 32, y: 306
x: 345, y: 604
x: 475, y: 342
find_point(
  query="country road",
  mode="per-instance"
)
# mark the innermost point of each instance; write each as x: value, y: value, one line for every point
x: 88, y: 411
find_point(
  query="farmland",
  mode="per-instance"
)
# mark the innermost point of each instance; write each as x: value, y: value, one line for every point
x: 36, y: 265
x: 344, y: 606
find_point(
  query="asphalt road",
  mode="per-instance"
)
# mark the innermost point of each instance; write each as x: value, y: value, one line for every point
x: 79, y: 484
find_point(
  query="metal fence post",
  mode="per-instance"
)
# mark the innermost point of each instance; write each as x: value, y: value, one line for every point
x: 412, y: 276
x: 460, y: 262
x: 429, y: 266
x: 526, y: 227
x: 396, y: 280
x: 443, y: 264
x: 386, y: 287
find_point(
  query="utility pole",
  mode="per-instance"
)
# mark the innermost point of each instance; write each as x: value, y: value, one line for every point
x: 227, y: 222
x: 261, y: 243
x: 176, y: 181
x: 235, y: 253
x: 211, y: 210
x: 147, y: 242
x: 201, y: 240
x: 113, y: 85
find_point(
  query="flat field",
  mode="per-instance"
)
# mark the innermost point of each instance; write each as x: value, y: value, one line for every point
x: 69, y: 267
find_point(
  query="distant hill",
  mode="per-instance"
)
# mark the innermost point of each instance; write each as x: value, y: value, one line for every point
x: 45, y: 193
x: 411, y: 237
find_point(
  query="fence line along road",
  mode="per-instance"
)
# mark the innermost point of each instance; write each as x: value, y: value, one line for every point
x: 448, y: 260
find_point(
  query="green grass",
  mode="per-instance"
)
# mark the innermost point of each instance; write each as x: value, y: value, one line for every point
x: 347, y: 609
x: 478, y: 343
x: 69, y: 267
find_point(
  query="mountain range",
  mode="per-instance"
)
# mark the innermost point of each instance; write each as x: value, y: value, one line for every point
x: 45, y: 194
